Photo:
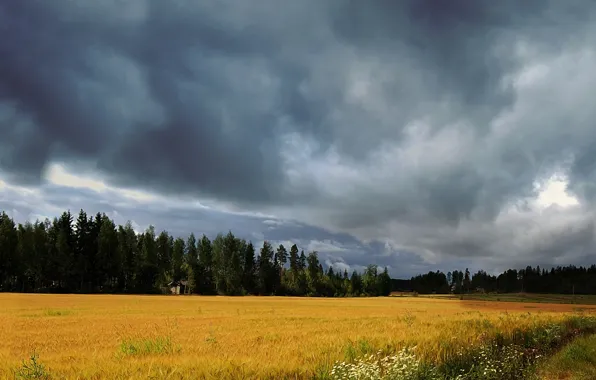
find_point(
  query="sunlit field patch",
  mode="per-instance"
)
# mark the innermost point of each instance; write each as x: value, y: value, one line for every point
x: 103, y: 336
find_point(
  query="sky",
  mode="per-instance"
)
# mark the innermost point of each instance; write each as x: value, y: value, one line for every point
x: 417, y: 134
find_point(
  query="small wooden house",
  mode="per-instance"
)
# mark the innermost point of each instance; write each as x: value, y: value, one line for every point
x: 178, y: 287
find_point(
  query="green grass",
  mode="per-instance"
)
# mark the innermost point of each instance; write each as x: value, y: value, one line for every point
x: 155, y: 346
x: 576, y: 361
x: 57, y: 313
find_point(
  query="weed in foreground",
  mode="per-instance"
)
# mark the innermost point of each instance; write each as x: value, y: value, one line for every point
x: 32, y: 369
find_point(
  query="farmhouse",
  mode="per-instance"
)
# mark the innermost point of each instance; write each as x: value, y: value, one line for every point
x: 179, y: 287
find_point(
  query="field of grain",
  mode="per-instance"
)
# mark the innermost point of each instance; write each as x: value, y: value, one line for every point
x: 103, y: 336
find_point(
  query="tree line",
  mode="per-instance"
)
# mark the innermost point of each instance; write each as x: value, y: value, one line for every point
x: 94, y: 255
x: 558, y: 280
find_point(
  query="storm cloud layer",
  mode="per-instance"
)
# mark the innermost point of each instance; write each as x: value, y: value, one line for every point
x: 421, y: 125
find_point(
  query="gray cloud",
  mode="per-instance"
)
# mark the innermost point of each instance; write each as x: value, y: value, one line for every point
x: 417, y: 122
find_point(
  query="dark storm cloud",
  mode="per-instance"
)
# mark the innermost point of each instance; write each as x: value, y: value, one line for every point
x: 188, y: 97
x: 222, y: 99
x: 169, y: 97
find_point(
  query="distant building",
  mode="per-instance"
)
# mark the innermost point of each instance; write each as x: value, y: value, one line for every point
x: 178, y: 287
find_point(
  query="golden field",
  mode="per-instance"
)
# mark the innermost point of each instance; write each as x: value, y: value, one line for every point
x: 89, y: 336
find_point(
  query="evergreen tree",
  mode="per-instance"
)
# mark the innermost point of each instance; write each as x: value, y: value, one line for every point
x: 164, y: 247
x: 281, y: 258
x: 233, y: 264
x: 355, y: 284
x: 384, y: 283
x: 178, y: 260
x: 127, y: 244
x: 107, y: 249
x: 40, y: 255
x: 466, y: 283
x: 266, y: 270
x: 83, y: 249
x: 313, y: 273
x: 25, y: 271
x: 96, y: 265
x: 8, y: 252
x: 302, y: 261
x: 220, y: 264
x: 149, y: 268
x: 207, y: 284
x: 64, y: 252
x: 191, y: 264
x: 294, y: 265
x: 249, y: 277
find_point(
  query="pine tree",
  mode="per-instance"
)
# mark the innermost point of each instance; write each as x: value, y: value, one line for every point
x: 355, y: 284
x: 294, y: 265
x: 83, y: 248
x: 164, y: 258
x: 233, y: 264
x: 281, y: 258
x: 266, y: 270
x: 107, y: 253
x: 384, y: 281
x: 40, y: 254
x: 127, y: 244
x: 149, y: 267
x: 8, y: 252
x: 178, y: 259
x: 302, y: 261
x: 220, y: 264
x: 24, y: 270
x: 207, y: 285
x: 64, y: 251
x: 249, y: 278
x: 191, y: 264
x: 93, y: 259
x: 313, y: 274
x: 466, y: 282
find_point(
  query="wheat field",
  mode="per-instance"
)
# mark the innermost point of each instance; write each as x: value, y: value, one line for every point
x: 118, y: 336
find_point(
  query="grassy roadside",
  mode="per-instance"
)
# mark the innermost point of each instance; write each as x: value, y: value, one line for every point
x: 582, y: 299
x: 576, y: 361
x: 500, y: 357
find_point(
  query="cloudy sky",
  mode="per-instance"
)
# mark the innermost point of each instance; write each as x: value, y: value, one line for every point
x: 415, y: 134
